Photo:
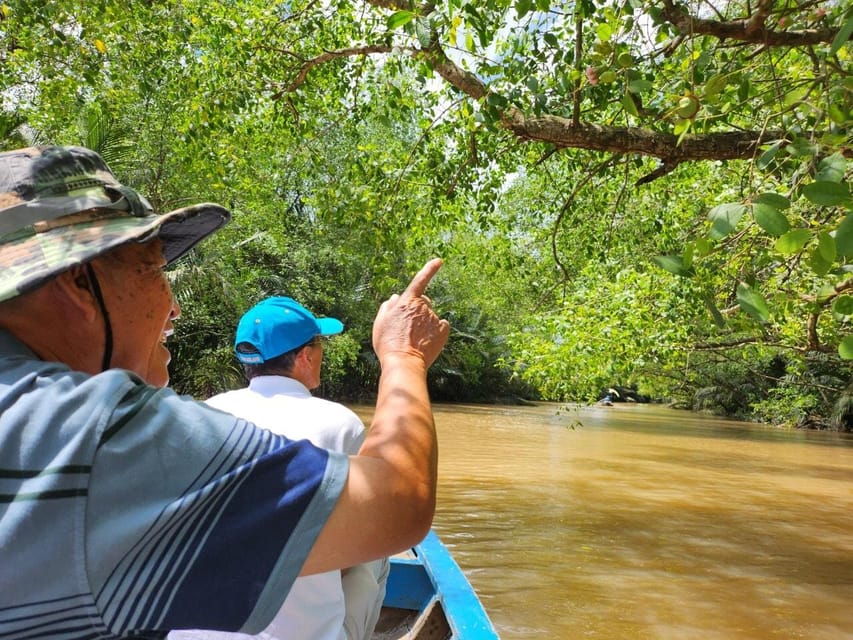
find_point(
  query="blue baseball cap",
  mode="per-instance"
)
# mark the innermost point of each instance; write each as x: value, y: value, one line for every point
x: 277, y: 325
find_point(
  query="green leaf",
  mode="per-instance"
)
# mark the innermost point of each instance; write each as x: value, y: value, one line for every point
x: 844, y: 237
x: 628, y: 104
x: 767, y: 157
x: 712, y: 309
x: 497, y: 100
x: 837, y: 113
x: 773, y: 199
x: 400, y: 18
x: 724, y: 218
x: 832, y: 168
x: 770, y: 219
x: 827, y: 193
x: 687, y: 255
x: 826, y: 246
x: 744, y: 89
x: 681, y: 127
x: 842, y: 36
x: 843, y: 305
x: 845, y: 348
x: 551, y: 39
x: 715, y: 84
x: 673, y: 264
x: 638, y: 86
x: 822, y: 256
x: 752, y: 302
x: 802, y: 148
x: 522, y: 7
x: 423, y: 30
x: 796, y: 96
x: 793, y: 241
x: 824, y: 293
x: 703, y: 246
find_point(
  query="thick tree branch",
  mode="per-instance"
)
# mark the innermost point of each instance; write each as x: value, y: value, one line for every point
x: 753, y: 29
x: 563, y: 133
x: 757, y: 22
x: 730, y: 145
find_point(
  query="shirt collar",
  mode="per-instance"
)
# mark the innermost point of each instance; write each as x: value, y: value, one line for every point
x: 278, y: 385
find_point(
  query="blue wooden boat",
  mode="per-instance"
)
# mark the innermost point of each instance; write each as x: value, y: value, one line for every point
x: 429, y: 598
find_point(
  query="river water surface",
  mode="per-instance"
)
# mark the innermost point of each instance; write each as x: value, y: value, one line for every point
x: 636, y: 521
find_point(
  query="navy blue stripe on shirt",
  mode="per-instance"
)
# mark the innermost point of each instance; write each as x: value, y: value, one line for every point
x: 142, y: 587
x: 23, y: 474
x: 248, y: 539
x: 56, y: 494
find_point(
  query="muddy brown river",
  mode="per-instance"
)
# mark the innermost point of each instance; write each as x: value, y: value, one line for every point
x: 637, y: 521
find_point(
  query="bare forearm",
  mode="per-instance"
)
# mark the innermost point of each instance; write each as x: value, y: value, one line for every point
x: 388, y: 502
x: 403, y: 431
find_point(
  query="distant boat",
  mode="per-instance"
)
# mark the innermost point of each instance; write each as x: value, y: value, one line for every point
x: 429, y: 598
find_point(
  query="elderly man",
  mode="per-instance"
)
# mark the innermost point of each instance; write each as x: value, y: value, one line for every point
x: 127, y: 510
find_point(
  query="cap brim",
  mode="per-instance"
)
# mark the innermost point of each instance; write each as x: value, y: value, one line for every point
x: 31, y: 260
x: 329, y: 326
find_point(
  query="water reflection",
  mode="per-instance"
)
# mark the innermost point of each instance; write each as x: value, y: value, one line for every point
x: 642, y: 522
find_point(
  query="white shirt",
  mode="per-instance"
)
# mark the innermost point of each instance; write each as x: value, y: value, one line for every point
x: 315, y: 607
x: 284, y: 406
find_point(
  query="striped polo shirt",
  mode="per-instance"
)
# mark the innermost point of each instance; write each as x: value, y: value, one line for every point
x: 128, y: 510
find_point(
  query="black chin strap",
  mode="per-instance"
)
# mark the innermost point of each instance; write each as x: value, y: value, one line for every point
x: 108, y: 329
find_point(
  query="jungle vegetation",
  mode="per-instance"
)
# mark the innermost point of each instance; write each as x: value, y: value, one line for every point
x: 651, y: 193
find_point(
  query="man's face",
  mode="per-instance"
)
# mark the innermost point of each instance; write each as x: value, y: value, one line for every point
x: 141, y: 308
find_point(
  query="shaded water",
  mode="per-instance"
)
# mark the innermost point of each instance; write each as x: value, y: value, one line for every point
x: 645, y: 522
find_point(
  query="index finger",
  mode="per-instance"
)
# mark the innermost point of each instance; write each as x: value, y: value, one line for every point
x: 422, y: 278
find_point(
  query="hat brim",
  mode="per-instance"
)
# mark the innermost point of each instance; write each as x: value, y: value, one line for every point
x: 182, y: 229
x: 329, y: 326
x: 29, y: 261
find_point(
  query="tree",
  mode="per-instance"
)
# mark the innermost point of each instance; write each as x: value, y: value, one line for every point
x: 703, y: 147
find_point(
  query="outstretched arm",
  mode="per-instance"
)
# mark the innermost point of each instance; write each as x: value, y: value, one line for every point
x: 389, y: 499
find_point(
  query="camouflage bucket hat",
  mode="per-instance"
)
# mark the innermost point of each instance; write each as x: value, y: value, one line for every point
x: 62, y: 206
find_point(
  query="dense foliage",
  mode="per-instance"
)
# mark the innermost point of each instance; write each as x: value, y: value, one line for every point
x: 641, y: 192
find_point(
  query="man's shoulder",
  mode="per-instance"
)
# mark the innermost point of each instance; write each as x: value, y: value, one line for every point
x: 226, y: 399
x: 334, y: 408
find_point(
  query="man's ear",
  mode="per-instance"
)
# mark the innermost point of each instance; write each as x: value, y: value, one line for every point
x: 73, y: 291
x: 303, y: 356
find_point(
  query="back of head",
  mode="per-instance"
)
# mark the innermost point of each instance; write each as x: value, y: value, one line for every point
x: 62, y: 206
x: 276, y: 326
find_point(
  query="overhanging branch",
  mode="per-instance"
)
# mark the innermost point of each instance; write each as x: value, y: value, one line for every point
x: 562, y: 132
x: 752, y: 29
x: 327, y: 56
x: 727, y: 145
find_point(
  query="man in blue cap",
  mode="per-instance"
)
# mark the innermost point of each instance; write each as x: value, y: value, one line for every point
x: 280, y: 345
x: 127, y: 510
